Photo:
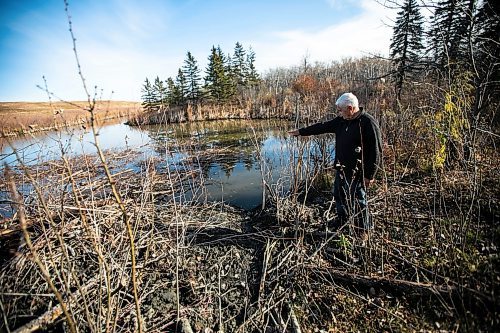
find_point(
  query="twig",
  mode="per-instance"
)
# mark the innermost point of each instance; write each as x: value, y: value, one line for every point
x: 395, y: 285
x: 51, y: 315
x: 186, y: 326
x: 295, y: 322
x: 36, y: 259
x: 116, y: 194
x: 4, y: 317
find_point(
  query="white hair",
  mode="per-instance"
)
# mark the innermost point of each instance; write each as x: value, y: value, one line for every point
x: 347, y: 99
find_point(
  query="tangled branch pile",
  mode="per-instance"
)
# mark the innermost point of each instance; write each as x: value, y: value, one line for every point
x: 210, y: 267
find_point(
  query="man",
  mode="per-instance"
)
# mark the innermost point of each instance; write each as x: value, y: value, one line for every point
x: 358, y: 151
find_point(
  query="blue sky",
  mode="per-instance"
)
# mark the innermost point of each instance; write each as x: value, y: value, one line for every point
x: 121, y: 42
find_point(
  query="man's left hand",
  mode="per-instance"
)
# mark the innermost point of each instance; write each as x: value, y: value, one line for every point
x: 368, y: 182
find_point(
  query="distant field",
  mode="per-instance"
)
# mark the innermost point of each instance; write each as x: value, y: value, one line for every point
x: 25, y: 117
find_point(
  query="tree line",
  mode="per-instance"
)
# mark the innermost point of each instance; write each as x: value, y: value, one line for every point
x: 225, y: 77
x: 439, y: 85
x: 451, y: 59
x: 462, y: 38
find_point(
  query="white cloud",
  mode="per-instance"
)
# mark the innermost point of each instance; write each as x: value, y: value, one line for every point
x: 120, y: 73
x: 119, y: 49
x: 364, y: 34
x: 116, y: 54
x: 120, y: 66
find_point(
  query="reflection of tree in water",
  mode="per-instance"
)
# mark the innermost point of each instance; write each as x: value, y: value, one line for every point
x: 228, y: 166
x: 214, y: 143
x: 249, y: 162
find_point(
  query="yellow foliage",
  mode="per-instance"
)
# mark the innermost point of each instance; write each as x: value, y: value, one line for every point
x: 440, y: 155
x: 452, y: 121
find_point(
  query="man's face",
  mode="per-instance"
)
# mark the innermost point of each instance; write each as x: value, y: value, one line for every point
x: 346, y: 112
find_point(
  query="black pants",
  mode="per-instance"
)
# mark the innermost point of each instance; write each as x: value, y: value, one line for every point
x: 351, y: 202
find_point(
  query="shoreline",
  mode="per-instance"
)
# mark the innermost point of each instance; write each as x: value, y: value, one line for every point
x: 23, y: 118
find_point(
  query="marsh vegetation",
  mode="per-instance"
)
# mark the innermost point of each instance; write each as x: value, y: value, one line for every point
x: 431, y: 263
x: 120, y: 240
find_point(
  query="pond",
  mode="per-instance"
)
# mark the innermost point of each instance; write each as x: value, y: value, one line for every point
x: 234, y: 176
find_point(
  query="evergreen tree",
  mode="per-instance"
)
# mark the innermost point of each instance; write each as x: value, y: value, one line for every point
x: 451, y: 31
x: 211, y: 77
x: 159, y: 93
x: 225, y: 74
x: 407, y: 43
x: 217, y: 78
x: 148, y: 98
x: 252, y: 77
x: 182, y: 87
x: 174, y: 95
x: 192, y: 76
x: 488, y: 27
x: 231, y: 81
x: 239, y: 65
x: 487, y: 47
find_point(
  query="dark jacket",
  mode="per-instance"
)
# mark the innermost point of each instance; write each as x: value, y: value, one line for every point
x: 357, y: 142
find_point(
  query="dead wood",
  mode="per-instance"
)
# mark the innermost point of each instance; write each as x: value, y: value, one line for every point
x: 9, y: 231
x: 186, y: 326
x: 224, y: 237
x: 50, y: 316
x: 401, y: 287
x: 294, y: 321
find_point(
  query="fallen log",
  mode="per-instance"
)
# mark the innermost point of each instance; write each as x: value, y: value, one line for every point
x: 399, y: 286
x: 41, y: 322
x: 50, y: 316
x: 402, y: 287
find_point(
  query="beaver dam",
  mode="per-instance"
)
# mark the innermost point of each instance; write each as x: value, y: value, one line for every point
x: 221, y: 228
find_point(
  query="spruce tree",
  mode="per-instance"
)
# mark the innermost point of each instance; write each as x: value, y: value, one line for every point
x: 159, y: 94
x: 148, y: 99
x: 407, y: 43
x: 239, y: 65
x: 192, y: 76
x: 252, y: 77
x: 451, y: 31
x: 211, y: 82
x: 174, y: 96
x: 230, y: 80
x: 182, y: 88
x: 217, y: 78
x: 487, y: 59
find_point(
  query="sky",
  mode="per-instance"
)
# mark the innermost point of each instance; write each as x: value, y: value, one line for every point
x: 120, y: 43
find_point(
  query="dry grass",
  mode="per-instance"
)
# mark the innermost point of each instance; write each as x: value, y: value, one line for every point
x: 430, y: 265
x: 222, y: 269
x: 426, y: 267
x: 27, y: 117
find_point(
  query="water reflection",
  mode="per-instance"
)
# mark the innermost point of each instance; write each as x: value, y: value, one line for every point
x: 47, y: 146
x: 227, y: 152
